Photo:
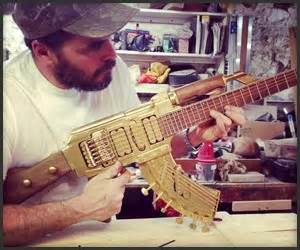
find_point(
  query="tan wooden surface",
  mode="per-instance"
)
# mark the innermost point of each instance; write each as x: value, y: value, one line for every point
x: 276, y: 229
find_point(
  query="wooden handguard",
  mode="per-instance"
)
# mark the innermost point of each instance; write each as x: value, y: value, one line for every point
x: 23, y: 182
x: 190, y: 92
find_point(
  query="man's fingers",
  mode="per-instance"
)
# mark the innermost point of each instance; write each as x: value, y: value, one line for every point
x: 113, y: 170
x: 234, y: 109
x: 123, y: 179
x: 236, y: 117
x: 219, y: 116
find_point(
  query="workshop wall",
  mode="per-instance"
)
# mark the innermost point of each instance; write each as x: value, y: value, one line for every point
x: 270, y: 51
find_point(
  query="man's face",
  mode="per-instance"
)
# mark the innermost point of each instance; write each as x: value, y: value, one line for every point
x: 85, y: 63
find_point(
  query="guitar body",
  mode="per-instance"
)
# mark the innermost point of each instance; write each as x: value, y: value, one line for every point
x: 139, y: 135
x: 126, y: 137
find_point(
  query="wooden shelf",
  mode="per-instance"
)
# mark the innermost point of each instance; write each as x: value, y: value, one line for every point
x: 148, y: 88
x: 170, y: 16
x: 128, y: 55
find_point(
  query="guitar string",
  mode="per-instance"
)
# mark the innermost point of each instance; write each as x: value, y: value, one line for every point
x: 125, y: 142
x: 237, y: 91
x: 217, y: 98
x: 158, y: 132
x: 218, y: 105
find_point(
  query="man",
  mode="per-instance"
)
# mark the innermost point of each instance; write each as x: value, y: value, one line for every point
x: 71, y: 76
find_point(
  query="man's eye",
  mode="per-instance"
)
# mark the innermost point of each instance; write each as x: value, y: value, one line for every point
x: 96, y: 45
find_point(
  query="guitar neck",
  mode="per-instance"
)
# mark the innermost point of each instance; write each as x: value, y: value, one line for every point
x: 198, y: 112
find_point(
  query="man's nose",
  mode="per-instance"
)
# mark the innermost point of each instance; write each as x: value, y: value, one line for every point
x: 108, y: 52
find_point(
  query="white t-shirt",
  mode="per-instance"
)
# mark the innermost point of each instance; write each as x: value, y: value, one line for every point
x: 38, y: 118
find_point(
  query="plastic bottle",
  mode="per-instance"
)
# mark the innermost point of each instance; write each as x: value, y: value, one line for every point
x: 206, y: 165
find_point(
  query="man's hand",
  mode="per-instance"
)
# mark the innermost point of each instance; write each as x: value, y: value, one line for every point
x: 223, y: 123
x: 233, y: 116
x: 102, y: 196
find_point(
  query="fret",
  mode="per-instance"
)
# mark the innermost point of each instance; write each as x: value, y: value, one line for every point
x: 262, y: 89
x: 291, y: 78
x: 207, y: 111
x: 168, y: 126
x: 249, y: 91
x: 235, y: 102
x: 188, y: 117
x: 182, y: 119
x: 228, y: 102
x: 267, y: 87
x: 291, y: 75
x: 219, y: 106
x: 162, y: 125
x: 242, y: 97
x: 203, y: 114
x: 276, y: 83
x: 198, y: 110
x: 194, y: 110
x: 189, y: 111
x: 179, y: 121
x: 272, y: 85
x: 254, y: 93
x: 287, y: 82
x: 209, y: 104
x: 174, y: 124
x: 238, y: 98
x: 231, y: 97
x: 214, y: 104
x: 260, y: 97
x: 194, y: 113
x: 247, y: 96
x: 224, y: 100
x: 280, y: 82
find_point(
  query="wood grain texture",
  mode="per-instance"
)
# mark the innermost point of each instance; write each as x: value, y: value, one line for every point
x: 279, y: 229
x: 15, y: 192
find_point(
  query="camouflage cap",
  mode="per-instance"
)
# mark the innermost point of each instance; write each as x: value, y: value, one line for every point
x: 90, y: 20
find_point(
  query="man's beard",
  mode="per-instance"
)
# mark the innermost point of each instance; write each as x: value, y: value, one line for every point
x: 72, y: 77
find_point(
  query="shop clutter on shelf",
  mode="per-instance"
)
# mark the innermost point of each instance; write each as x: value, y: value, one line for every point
x: 157, y: 73
x: 130, y: 39
x: 204, y: 35
x: 259, y: 149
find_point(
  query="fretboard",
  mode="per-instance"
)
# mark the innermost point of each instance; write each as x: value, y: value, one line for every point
x: 198, y: 112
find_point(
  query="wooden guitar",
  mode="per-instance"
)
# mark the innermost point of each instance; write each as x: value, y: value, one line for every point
x: 143, y: 135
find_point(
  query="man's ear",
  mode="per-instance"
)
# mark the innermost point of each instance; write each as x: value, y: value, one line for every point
x: 43, y: 53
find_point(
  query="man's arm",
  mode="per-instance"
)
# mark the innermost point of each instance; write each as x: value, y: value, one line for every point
x: 223, y: 123
x: 22, y: 224
x: 101, y: 199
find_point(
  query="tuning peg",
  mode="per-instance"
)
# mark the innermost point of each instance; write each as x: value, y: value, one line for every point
x: 179, y: 220
x: 193, y: 225
x: 206, y: 223
x: 205, y: 228
x: 157, y: 197
x: 164, y: 209
x: 145, y: 191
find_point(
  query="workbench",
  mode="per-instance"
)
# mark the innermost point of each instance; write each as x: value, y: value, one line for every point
x: 269, y: 229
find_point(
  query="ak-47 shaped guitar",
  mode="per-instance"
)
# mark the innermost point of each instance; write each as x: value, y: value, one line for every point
x: 143, y: 135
